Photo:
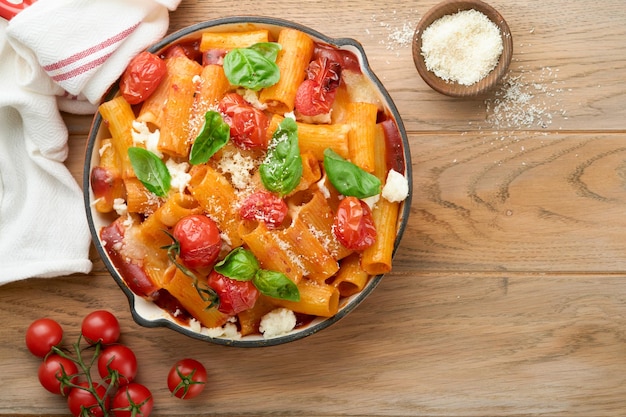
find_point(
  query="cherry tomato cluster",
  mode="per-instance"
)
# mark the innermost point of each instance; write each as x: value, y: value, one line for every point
x: 67, y: 372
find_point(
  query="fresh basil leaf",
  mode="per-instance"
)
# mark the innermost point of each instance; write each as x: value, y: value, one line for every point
x: 254, y: 67
x: 240, y: 264
x: 269, y: 50
x: 281, y: 170
x: 348, y: 178
x: 150, y: 170
x: 276, y: 285
x: 215, y: 134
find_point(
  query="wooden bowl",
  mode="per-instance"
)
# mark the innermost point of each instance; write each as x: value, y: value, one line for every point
x: 452, y: 88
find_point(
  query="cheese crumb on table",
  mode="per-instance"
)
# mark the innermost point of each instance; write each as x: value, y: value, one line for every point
x: 463, y: 47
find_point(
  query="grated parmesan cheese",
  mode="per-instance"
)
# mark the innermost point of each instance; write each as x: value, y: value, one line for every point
x: 462, y: 47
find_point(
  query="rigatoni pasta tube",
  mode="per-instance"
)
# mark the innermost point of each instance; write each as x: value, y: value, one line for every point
x: 315, y: 299
x: 377, y: 258
x: 362, y: 121
x: 272, y: 252
x: 293, y: 60
x: 316, y: 261
x: 231, y: 40
x: 178, y: 106
x: 138, y: 198
x: 216, y: 197
x: 316, y: 138
x: 181, y: 287
x: 351, y: 278
x: 119, y: 117
x: 212, y: 86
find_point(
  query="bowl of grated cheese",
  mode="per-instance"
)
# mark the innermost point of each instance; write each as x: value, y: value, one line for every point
x: 462, y: 48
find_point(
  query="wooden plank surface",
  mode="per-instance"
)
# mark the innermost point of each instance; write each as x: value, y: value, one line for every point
x: 508, y: 295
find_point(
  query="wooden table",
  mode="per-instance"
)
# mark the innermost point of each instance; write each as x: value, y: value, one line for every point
x: 508, y: 295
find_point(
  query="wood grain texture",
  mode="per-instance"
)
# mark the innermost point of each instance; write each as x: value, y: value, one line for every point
x: 508, y: 295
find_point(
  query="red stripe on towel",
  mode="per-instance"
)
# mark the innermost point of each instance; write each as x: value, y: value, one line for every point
x: 81, y: 55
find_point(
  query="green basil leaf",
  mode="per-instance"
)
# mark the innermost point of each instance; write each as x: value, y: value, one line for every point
x: 240, y: 264
x: 281, y: 170
x: 150, y: 170
x: 215, y: 134
x: 254, y: 67
x: 276, y: 284
x: 348, y: 178
x: 268, y: 49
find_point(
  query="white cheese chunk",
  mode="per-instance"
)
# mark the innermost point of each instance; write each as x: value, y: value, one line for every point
x: 396, y: 187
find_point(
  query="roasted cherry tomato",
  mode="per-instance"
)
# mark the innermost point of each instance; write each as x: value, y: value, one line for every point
x: 120, y: 359
x: 248, y: 125
x: 80, y: 399
x: 354, y: 225
x: 264, y: 207
x: 106, y: 186
x: 100, y: 326
x: 187, y: 378
x: 41, y: 335
x: 317, y: 93
x: 199, y: 240
x: 142, y: 77
x: 235, y: 296
x: 55, y: 372
x: 132, y: 400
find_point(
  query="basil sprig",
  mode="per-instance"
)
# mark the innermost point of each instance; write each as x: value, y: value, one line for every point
x: 348, y: 178
x: 215, y: 134
x: 281, y: 170
x: 253, y: 67
x: 241, y: 265
x: 150, y: 170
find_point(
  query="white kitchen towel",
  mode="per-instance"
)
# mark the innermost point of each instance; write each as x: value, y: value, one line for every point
x: 57, y: 55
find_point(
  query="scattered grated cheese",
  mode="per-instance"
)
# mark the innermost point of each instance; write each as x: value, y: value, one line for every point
x: 178, y: 172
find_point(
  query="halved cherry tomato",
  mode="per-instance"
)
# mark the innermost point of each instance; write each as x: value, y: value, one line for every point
x: 264, y: 207
x: 80, y: 399
x: 142, y: 77
x: 354, y: 225
x: 248, y: 125
x: 235, y: 296
x: 187, y: 378
x: 41, y: 335
x: 117, y: 358
x: 100, y: 326
x: 55, y: 372
x: 317, y: 93
x: 132, y: 400
x: 199, y: 240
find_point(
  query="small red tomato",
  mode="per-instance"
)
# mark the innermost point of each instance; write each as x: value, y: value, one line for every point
x: 354, y: 225
x: 264, y: 207
x: 80, y: 399
x: 248, y: 125
x: 142, y: 77
x: 187, y: 378
x: 41, y: 335
x: 55, y: 372
x: 317, y: 93
x: 199, y: 240
x: 132, y: 400
x: 100, y: 326
x: 120, y: 359
x: 235, y: 296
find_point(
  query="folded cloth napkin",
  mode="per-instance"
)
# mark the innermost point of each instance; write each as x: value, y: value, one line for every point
x: 57, y: 55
